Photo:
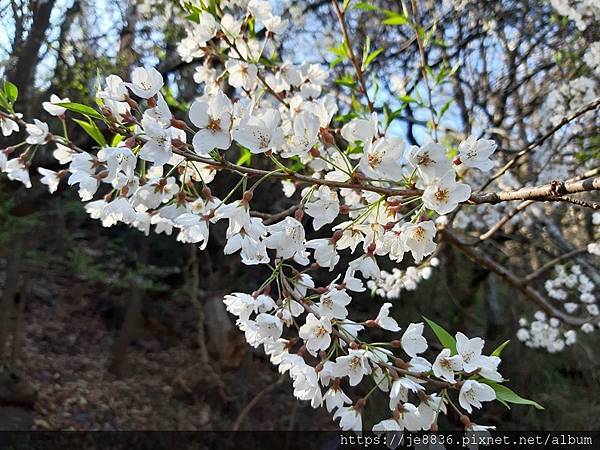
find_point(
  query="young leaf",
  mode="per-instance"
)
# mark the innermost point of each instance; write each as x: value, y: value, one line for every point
x: 346, y: 80
x: 11, y: 92
x: 505, y: 394
x: 365, y: 6
x: 369, y: 59
x: 92, y: 130
x: 82, y: 109
x: 499, y: 349
x: 245, y: 157
x: 396, y: 19
x: 116, y: 139
x: 443, y: 336
x: 3, y: 102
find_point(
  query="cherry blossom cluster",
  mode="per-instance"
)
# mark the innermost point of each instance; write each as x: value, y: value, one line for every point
x: 583, y: 12
x: 375, y: 196
x: 547, y: 333
x: 391, y: 284
x: 594, y: 247
x: 575, y: 292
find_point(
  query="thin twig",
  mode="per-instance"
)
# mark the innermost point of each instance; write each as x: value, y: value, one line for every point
x: 549, y: 265
x: 589, y: 107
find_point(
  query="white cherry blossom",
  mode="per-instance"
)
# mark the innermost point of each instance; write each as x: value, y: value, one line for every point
x: 213, y: 118
x: 316, y: 333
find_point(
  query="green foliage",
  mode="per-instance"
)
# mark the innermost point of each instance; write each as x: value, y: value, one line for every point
x: 342, y: 52
x: 365, y: 6
x: 505, y: 395
x: 92, y: 130
x: 8, y: 95
x: 500, y: 348
x: 395, y: 19
x: 346, y: 80
x: 245, y: 158
x: 82, y: 109
x: 367, y: 55
x: 445, y: 338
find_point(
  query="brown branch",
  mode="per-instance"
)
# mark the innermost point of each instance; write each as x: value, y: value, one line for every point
x: 359, y: 73
x: 589, y: 174
x: 546, y: 192
x: 549, y: 265
x: 518, y: 283
x: 505, y: 219
x: 577, y: 201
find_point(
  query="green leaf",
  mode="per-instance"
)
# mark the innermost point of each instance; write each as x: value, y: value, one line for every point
x: 443, y: 336
x: 346, y: 80
x: 3, y: 102
x: 369, y: 59
x: 499, y: 349
x: 506, y: 395
x: 193, y: 17
x: 444, y: 109
x: 82, y: 109
x: 245, y: 157
x: 11, y: 91
x: 92, y: 130
x: 116, y: 139
x: 341, y: 50
x: 406, y: 99
x: 365, y: 6
x: 397, y: 19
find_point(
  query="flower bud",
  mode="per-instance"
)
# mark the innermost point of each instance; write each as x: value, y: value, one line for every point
x: 177, y: 143
x: 152, y: 102
x: 314, y: 152
x: 129, y: 142
x: 207, y: 192
x: 128, y: 118
x: 371, y: 323
x: 400, y: 363
x: 465, y: 421
x: 326, y: 137
x: 396, y: 343
x: 354, y: 345
x: 247, y: 197
x: 371, y: 248
x: 344, y: 209
x: 131, y: 102
x: 337, y: 235
x: 106, y: 112
x: 299, y: 214
x: 180, y: 124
